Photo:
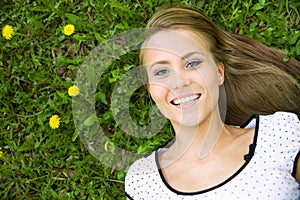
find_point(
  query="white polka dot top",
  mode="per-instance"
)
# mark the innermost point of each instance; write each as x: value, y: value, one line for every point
x: 266, y: 175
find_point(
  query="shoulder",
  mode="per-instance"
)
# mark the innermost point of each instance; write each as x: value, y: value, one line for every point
x: 141, y: 173
x: 279, y: 134
x: 143, y: 165
x: 281, y: 120
x: 280, y: 126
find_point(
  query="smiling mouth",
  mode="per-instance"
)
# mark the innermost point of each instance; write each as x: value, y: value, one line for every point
x: 185, y: 100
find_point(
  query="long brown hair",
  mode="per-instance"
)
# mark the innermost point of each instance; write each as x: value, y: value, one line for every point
x: 257, y: 79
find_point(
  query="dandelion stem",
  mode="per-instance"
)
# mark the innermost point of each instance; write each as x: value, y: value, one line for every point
x: 114, y: 180
x: 27, y: 116
x: 21, y: 34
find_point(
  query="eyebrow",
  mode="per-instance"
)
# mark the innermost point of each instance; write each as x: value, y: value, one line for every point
x: 190, y: 54
x: 164, y: 62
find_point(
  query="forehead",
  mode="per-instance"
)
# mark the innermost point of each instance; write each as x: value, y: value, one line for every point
x: 177, y: 42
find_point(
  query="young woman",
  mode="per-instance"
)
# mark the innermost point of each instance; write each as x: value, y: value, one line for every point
x: 250, y: 150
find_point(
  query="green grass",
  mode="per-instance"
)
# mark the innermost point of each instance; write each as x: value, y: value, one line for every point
x: 40, y: 63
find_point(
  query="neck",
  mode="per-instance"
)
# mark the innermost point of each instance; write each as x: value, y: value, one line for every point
x: 197, y: 142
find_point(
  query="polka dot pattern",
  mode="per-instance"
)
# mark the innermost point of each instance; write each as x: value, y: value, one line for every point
x: 266, y: 176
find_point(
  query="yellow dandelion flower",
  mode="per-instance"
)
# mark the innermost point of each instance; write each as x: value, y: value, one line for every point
x: 7, y: 32
x: 73, y: 90
x: 1, y: 152
x: 54, y: 121
x: 69, y: 29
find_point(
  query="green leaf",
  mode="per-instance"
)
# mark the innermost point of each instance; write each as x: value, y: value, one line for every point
x: 37, y: 144
x: 90, y: 120
x: 257, y: 6
x: 74, y: 136
x: 62, y: 95
x: 294, y: 38
x: 74, y: 19
x: 298, y: 48
x: 83, y: 37
x: 102, y: 97
x: 98, y: 37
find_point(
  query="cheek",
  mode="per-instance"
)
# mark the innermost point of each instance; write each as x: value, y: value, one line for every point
x: 158, y: 93
x: 208, y: 77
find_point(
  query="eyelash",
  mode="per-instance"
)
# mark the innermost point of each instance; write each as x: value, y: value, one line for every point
x: 194, y: 64
x: 158, y: 73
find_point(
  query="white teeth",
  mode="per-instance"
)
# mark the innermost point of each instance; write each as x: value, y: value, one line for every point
x: 186, y: 99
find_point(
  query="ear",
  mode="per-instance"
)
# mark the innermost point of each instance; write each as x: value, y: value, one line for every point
x: 221, y: 72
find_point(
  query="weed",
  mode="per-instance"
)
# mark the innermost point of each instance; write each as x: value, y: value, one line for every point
x: 39, y: 63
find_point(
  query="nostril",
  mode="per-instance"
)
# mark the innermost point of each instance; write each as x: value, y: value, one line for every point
x: 182, y: 81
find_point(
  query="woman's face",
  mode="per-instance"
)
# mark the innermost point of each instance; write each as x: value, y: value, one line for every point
x: 183, y: 77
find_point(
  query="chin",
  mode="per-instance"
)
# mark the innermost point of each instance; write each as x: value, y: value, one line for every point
x: 189, y: 121
x: 194, y: 119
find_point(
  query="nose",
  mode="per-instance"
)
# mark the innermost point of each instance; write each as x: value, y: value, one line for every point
x: 180, y: 80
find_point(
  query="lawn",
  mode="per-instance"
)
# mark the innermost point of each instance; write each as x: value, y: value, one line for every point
x: 42, y: 57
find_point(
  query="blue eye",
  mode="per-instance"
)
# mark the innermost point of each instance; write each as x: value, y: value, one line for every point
x: 193, y: 64
x: 161, y: 72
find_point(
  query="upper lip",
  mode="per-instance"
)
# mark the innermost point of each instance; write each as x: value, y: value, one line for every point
x: 185, y: 98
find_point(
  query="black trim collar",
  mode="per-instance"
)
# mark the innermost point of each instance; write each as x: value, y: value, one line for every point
x: 247, y: 158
